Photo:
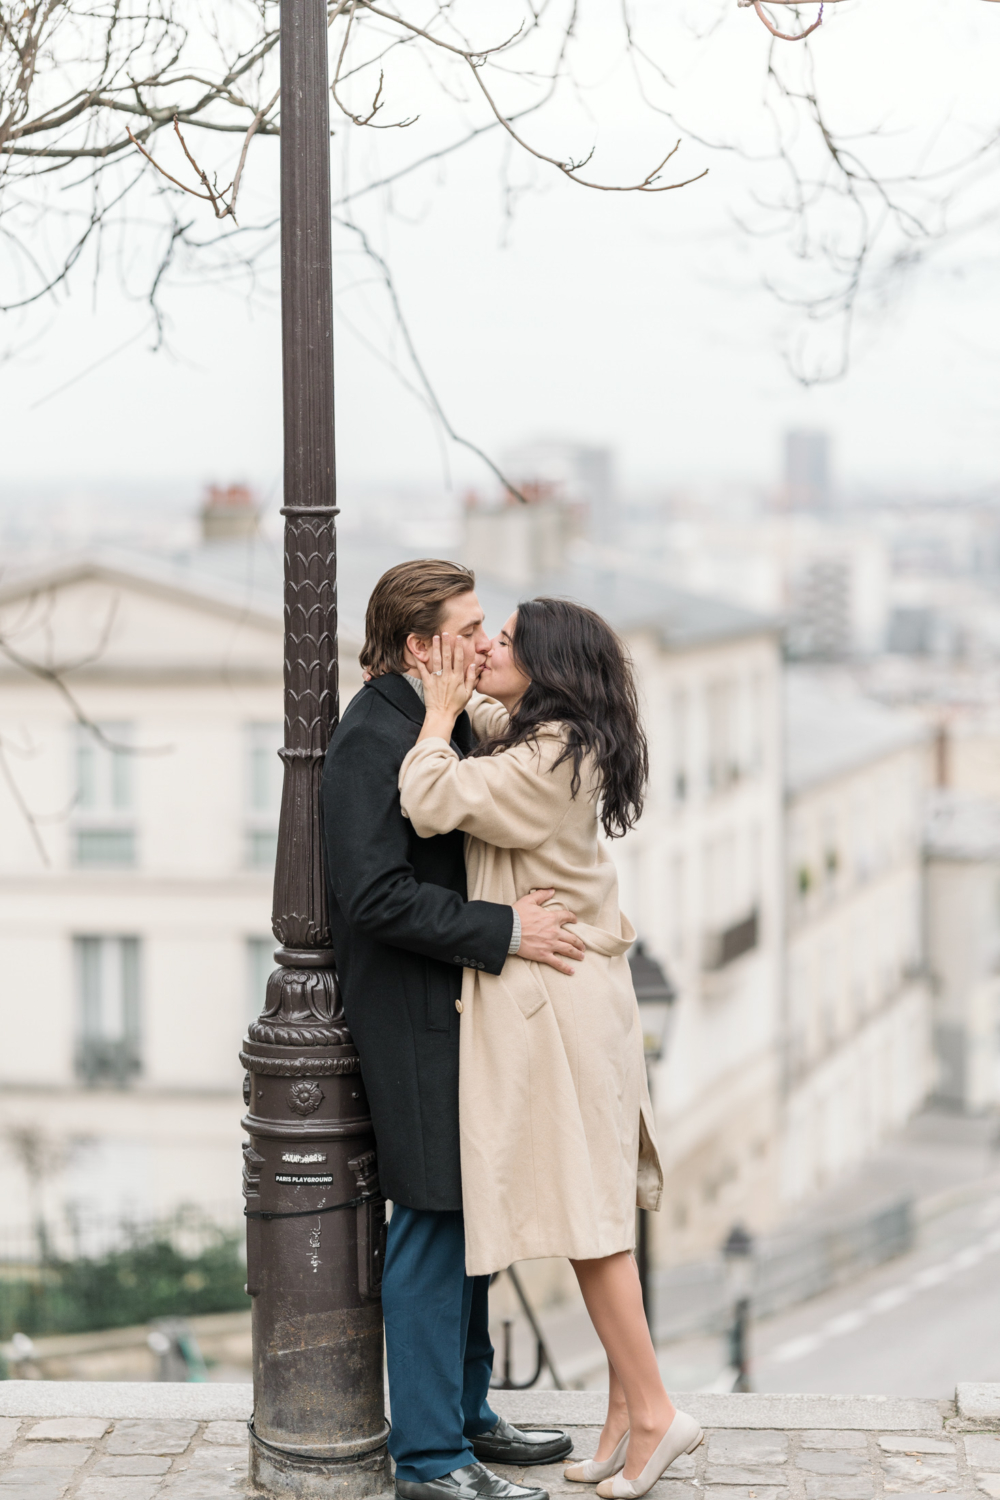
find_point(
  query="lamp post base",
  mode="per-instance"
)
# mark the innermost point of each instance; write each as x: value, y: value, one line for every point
x: 281, y: 1474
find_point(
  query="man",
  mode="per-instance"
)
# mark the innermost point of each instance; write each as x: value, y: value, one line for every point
x: 403, y: 932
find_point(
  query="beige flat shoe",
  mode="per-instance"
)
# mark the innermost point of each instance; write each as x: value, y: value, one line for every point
x: 593, y: 1469
x: 682, y: 1436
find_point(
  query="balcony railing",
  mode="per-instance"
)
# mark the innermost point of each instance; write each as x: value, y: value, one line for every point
x: 727, y: 944
x: 105, y: 1060
x: 104, y: 848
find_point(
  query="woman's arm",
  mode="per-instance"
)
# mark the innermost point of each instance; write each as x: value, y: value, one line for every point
x: 368, y: 856
x: 514, y: 800
x: 488, y: 717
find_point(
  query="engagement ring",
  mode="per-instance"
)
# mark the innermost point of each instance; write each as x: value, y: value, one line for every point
x: 438, y: 672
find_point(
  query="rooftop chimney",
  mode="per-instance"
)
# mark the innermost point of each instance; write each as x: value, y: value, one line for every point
x: 518, y: 543
x: 228, y: 513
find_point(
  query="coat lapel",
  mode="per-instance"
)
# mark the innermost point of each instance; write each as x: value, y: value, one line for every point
x: 397, y: 691
x: 461, y: 735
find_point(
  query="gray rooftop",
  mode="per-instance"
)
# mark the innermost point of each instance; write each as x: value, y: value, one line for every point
x: 679, y: 621
x: 249, y: 574
x: 234, y: 576
x: 832, y: 729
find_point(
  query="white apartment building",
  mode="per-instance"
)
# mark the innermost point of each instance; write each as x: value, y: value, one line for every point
x: 857, y: 1023
x: 135, y: 879
x: 701, y: 881
x: 963, y: 947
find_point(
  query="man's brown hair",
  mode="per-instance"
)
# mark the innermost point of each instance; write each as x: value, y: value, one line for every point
x: 408, y: 600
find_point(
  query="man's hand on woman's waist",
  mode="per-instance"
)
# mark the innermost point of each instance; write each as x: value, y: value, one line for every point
x: 544, y: 939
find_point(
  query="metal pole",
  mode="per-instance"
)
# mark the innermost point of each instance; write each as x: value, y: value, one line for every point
x: 642, y: 1262
x: 315, y: 1222
x: 738, y: 1252
x: 739, y: 1354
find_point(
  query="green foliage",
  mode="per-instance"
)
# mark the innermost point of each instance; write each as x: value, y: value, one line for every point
x: 147, y: 1279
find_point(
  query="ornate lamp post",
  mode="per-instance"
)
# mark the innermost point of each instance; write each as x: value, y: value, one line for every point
x: 315, y: 1222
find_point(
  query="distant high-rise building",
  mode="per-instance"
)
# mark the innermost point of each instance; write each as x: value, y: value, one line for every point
x: 807, y: 470
x: 820, y: 618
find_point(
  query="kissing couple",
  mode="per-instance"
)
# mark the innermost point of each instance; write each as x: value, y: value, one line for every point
x: 482, y: 961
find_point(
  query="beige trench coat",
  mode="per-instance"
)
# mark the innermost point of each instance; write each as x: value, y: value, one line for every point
x: 557, y: 1136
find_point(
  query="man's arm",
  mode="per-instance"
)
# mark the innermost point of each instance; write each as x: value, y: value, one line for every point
x: 366, y: 846
x: 368, y: 868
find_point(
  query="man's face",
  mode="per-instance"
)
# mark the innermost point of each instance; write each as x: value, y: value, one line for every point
x: 462, y: 618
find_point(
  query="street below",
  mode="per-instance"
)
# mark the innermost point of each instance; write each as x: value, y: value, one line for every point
x: 915, y: 1326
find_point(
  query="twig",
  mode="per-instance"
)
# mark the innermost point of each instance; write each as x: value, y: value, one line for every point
x: 54, y: 678
x: 785, y: 36
x: 257, y: 121
x: 422, y: 375
x: 476, y: 60
x: 82, y: 374
x: 23, y: 808
x: 376, y: 105
x: 214, y: 197
x: 207, y: 197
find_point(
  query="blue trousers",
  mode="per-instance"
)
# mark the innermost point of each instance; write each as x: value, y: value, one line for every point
x: 437, y: 1342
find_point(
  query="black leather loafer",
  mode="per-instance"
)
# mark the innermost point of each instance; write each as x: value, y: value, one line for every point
x: 473, y: 1482
x: 504, y: 1444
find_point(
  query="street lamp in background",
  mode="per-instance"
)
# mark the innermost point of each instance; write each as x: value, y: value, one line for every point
x: 656, y: 996
x: 738, y: 1254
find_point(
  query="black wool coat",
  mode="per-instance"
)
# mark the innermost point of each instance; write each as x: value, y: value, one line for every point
x: 402, y: 931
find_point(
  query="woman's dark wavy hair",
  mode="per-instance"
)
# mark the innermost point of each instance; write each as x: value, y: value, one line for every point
x: 581, y: 675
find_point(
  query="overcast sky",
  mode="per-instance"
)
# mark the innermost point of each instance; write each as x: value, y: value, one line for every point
x: 642, y: 323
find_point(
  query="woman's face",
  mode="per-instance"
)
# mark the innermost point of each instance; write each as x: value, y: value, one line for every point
x: 501, y: 677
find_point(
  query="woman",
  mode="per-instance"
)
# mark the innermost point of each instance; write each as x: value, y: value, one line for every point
x: 557, y: 1133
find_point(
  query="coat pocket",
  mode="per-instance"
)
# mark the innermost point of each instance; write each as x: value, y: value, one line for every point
x: 530, y: 995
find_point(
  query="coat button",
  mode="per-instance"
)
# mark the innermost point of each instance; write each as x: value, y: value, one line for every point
x: 459, y: 1006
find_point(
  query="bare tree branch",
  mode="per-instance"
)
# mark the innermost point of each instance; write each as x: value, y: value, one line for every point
x: 87, y: 86
x: 54, y: 675
x: 429, y: 393
x: 29, y: 817
x: 785, y: 36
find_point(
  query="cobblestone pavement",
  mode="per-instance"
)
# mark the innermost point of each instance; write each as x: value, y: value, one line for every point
x: 90, y: 1458
x: 735, y: 1464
